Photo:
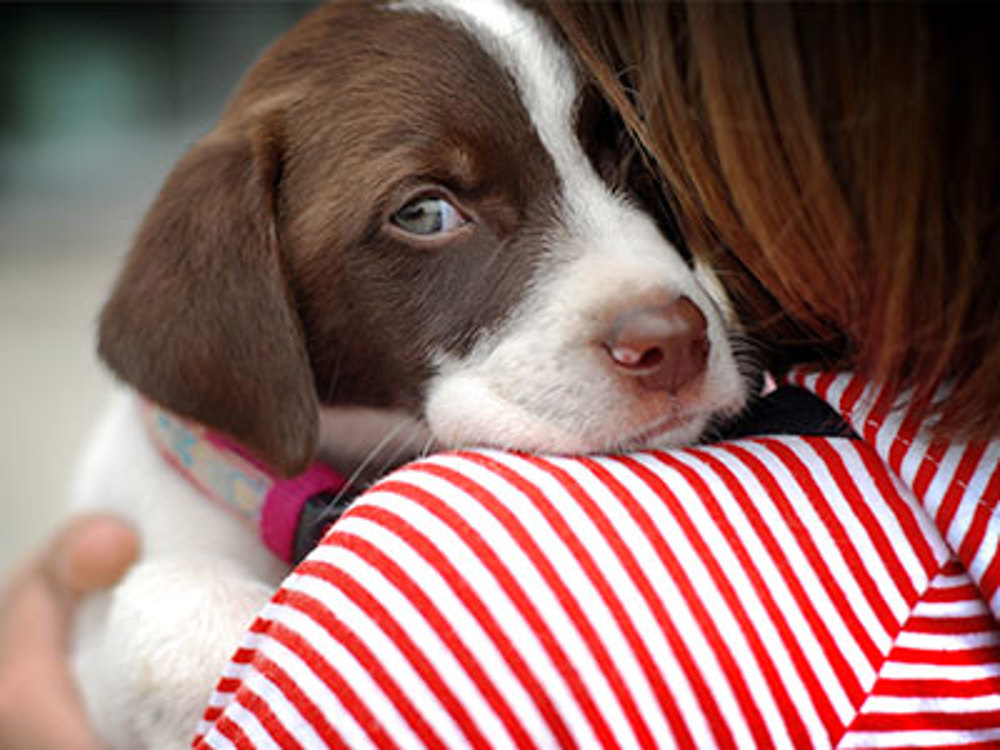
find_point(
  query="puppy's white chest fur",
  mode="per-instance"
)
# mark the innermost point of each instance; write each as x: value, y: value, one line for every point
x: 149, y: 651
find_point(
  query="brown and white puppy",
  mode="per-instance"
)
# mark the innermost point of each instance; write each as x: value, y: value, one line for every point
x: 409, y: 219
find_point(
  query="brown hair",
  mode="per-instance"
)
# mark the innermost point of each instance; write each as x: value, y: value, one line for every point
x: 839, y: 163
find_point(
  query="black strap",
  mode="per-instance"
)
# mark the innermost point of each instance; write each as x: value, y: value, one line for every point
x: 319, y: 513
x: 788, y: 410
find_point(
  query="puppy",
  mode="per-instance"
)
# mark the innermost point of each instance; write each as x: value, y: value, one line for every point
x: 413, y: 218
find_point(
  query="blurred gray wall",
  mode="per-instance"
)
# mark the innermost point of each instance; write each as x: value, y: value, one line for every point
x: 97, y: 100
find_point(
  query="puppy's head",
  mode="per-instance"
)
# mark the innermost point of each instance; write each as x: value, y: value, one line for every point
x: 415, y: 207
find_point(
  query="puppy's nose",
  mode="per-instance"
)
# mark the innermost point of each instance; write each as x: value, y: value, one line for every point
x: 664, y: 347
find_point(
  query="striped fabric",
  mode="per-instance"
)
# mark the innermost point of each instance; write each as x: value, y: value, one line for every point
x: 779, y: 591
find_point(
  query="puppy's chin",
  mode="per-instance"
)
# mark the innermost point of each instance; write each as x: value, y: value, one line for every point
x: 669, y: 432
x: 462, y: 410
x: 364, y: 443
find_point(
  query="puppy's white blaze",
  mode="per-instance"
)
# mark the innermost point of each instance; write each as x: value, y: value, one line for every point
x: 541, y: 382
x: 545, y: 76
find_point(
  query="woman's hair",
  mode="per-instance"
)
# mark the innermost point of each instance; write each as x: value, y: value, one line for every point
x: 839, y: 164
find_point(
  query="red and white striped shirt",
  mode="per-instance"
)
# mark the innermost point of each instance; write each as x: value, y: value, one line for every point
x: 767, y: 592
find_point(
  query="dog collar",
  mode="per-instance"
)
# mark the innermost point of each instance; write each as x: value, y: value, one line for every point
x: 226, y: 473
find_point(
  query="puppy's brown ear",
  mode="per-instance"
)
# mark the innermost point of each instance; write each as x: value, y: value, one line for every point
x: 201, y: 319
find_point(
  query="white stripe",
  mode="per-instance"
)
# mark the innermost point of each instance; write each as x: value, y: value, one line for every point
x: 395, y: 664
x: 914, y: 459
x: 973, y: 495
x: 712, y: 599
x: 214, y: 739
x: 942, y: 479
x: 237, y: 671
x: 219, y: 700
x: 893, y: 704
x: 788, y: 540
x: 944, y: 610
x: 919, y: 738
x: 943, y: 582
x: 891, y: 424
x: 946, y: 641
x: 898, y: 670
x: 426, y: 638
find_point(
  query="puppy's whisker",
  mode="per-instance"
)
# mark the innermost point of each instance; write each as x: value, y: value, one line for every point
x: 427, y: 448
x: 334, y: 378
x: 371, y: 456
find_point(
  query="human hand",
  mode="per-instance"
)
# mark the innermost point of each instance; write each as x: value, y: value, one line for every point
x: 39, y: 705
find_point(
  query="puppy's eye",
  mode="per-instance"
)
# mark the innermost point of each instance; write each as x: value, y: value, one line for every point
x: 429, y: 216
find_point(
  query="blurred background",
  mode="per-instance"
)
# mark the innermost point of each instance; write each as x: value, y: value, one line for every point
x: 97, y: 101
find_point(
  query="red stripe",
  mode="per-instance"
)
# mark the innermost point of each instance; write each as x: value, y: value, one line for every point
x: 934, y: 688
x: 850, y: 396
x: 903, y: 512
x: 928, y: 467
x: 952, y: 567
x: 233, y: 732
x: 834, y: 463
x: 956, y: 488
x: 877, y: 415
x: 260, y: 709
x: 593, y: 640
x: 228, y: 685
x: 926, y: 720
x: 506, y: 580
x: 831, y: 649
x: 978, y: 656
x: 786, y: 703
x: 245, y: 655
x: 983, y: 516
x: 951, y: 625
x: 966, y: 592
x: 322, y: 616
x: 614, y: 604
x: 319, y: 666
